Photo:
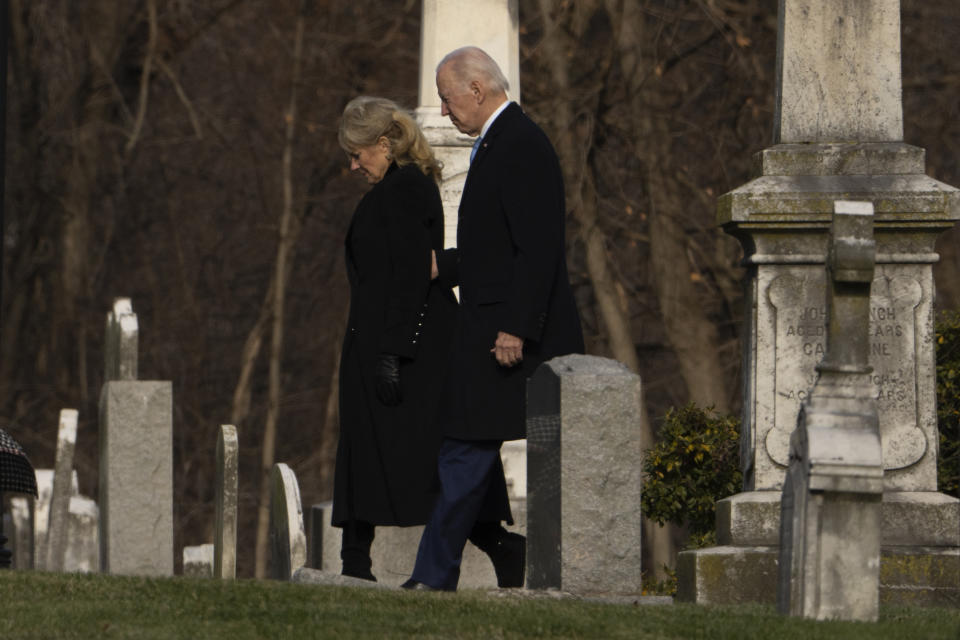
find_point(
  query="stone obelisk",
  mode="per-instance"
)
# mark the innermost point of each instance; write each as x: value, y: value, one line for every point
x: 838, y: 135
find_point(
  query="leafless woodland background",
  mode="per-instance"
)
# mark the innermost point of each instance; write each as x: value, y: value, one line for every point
x: 184, y: 154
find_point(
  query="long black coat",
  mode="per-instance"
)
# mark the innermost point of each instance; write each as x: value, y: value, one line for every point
x: 387, y: 456
x: 510, y: 263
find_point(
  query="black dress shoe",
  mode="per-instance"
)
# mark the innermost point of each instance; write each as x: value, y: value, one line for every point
x: 413, y: 585
x: 509, y: 557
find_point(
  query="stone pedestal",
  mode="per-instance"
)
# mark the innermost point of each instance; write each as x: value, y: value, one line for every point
x: 781, y: 218
x: 136, y: 478
x: 583, y: 495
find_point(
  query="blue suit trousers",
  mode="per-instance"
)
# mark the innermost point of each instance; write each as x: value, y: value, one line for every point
x: 466, y: 470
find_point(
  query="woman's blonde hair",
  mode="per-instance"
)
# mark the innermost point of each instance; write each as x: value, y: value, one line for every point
x: 366, y: 118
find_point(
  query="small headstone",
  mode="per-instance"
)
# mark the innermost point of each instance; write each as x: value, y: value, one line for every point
x: 830, y: 523
x: 225, y: 540
x: 198, y: 561
x: 319, y: 517
x: 30, y: 528
x: 21, y: 536
x: 288, y: 541
x: 513, y: 455
x: 56, y: 547
x: 82, y: 551
x: 583, y: 490
x: 41, y: 513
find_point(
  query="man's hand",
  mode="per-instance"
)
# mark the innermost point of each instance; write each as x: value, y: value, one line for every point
x: 434, y: 271
x: 508, y: 349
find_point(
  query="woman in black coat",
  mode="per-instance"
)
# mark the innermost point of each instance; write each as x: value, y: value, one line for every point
x: 398, y: 333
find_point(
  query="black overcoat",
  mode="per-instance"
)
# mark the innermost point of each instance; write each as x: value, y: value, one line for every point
x: 510, y: 263
x: 387, y: 456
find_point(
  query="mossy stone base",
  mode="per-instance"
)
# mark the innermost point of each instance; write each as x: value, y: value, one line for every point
x: 922, y: 576
x: 919, y: 576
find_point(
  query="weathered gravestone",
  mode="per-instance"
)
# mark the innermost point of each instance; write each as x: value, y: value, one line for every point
x: 838, y: 134
x: 21, y: 528
x: 56, y: 547
x: 288, y: 540
x: 31, y: 519
x: 583, y: 497
x: 225, y: 536
x: 136, y: 458
x: 830, y: 523
x: 198, y: 561
x: 40, y: 505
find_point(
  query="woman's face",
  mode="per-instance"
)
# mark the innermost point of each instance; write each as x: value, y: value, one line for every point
x: 372, y: 161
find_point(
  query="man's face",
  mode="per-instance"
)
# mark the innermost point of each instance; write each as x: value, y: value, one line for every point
x: 458, y: 102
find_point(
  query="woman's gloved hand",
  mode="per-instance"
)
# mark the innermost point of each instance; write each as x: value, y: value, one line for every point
x: 388, y: 379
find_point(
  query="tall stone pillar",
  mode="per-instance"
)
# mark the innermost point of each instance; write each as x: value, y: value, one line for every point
x: 838, y: 135
x: 491, y: 25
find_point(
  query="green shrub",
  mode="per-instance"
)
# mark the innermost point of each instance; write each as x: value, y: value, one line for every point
x: 948, y: 401
x: 694, y: 463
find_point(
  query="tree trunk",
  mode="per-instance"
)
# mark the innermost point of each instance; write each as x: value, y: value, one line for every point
x: 289, y: 228
x: 573, y: 139
x: 691, y: 333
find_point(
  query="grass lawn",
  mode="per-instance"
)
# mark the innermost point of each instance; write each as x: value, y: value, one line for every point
x: 51, y: 606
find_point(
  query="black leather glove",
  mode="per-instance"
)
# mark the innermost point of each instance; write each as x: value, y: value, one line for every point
x: 388, y: 379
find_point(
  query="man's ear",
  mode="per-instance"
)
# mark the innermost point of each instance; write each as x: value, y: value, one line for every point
x: 477, y: 90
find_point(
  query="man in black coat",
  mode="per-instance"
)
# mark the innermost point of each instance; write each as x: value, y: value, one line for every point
x: 516, y: 311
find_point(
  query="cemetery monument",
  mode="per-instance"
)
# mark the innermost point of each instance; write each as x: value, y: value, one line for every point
x: 838, y: 135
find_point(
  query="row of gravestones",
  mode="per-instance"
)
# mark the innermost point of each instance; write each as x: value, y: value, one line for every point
x: 582, y: 410
x: 129, y: 530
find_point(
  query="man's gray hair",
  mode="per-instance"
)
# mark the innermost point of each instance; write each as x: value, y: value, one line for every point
x: 473, y: 63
